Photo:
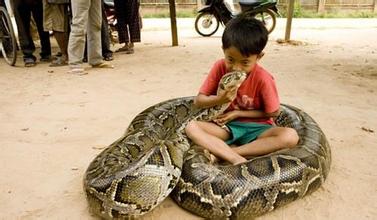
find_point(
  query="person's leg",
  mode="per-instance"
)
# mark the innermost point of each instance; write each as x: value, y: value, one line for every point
x: 44, y: 36
x: 76, y: 43
x: 211, y: 137
x: 120, y: 13
x: 62, y: 41
x: 85, y: 58
x: 55, y: 18
x: 67, y: 21
x: 94, y: 33
x: 128, y: 11
x: 134, y: 23
x: 107, y: 54
x: 62, y: 34
x: 271, y: 140
x: 22, y: 14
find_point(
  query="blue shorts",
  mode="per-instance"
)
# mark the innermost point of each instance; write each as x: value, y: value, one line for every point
x: 245, y: 132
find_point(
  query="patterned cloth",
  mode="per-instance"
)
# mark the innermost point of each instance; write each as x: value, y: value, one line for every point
x: 55, y: 17
x: 128, y: 26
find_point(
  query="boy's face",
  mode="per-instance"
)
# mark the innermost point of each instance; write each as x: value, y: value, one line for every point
x: 235, y: 61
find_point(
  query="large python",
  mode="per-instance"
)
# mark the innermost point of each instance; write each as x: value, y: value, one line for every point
x: 154, y: 156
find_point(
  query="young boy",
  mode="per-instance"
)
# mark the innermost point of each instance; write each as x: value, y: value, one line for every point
x: 248, y: 120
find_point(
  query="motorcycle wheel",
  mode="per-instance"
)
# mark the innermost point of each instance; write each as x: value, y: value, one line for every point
x: 268, y: 18
x: 8, y: 43
x: 206, y: 24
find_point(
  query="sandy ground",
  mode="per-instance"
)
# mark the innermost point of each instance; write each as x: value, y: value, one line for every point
x: 53, y: 124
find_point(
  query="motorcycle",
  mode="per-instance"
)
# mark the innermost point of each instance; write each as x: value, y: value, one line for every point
x: 111, y: 19
x: 216, y: 12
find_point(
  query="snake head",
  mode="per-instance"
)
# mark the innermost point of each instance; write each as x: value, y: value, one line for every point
x: 231, y: 80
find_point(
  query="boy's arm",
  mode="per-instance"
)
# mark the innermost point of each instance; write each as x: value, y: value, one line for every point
x: 207, y: 97
x: 256, y: 114
x: 230, y: 116
x: 207, y: 101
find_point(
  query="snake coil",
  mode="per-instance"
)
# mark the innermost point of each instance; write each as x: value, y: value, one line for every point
x: 154, y: 157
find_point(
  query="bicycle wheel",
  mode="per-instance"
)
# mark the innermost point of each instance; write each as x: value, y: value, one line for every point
x: 8, y: 45
x: 268, y: 18
x: 206, y: 24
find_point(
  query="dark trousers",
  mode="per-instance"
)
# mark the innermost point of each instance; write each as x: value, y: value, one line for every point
x: 105, y: 37
x: 128, y: 26
x: 23, y: 10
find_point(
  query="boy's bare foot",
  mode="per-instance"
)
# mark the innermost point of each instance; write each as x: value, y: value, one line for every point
x: 212, y: 158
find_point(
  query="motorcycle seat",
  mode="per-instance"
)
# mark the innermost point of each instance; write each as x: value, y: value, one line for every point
x: 250, y: 2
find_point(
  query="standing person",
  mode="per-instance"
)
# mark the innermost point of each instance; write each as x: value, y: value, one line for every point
x: 128, y: 26
x: 86, y: 19
x: 56, y: 19
x: 23, y: 9
x: 107, y: 53
x: 248, y: 120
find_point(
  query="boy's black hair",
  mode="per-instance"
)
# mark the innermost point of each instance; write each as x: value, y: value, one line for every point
x: 247, y: 34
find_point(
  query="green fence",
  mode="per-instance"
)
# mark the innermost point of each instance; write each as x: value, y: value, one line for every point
x: 315, y: 5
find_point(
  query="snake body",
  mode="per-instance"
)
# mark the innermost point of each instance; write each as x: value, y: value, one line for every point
x: 263, y: 183
x: 154, y: 156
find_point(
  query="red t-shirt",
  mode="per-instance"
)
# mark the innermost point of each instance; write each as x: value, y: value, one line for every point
x: 257, y: 92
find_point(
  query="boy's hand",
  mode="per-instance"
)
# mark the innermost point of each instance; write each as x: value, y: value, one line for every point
x: 227, y: 95
x: 225, y: 118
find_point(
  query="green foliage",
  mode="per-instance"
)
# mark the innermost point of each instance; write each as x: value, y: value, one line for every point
x: 299, y: 12
x: 340, y: 14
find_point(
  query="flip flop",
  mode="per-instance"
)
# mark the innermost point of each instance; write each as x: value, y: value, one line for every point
x: 122, y: 49
x: 103, y: 65
x: 77, y: 71
x: 46, y: 58
x: 29, y: 62
x: 59, y: 61
x: 108, y: 57
x: 130, y: 51
x: 56, y: 56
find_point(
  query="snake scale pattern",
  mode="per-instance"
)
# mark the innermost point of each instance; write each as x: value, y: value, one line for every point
x: 155, y: 159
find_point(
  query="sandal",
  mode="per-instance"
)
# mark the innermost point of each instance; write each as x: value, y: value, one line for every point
x: 59, y: 61
x: 77, y: 71
x: 130, y: 50
x: 29, y: 62
x: 108, y: 57
x: 56, y: 56
x: 103, y: 65
x: 45, y: 58
x: 122, y: 49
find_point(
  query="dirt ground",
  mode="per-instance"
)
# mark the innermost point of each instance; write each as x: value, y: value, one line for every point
x: 52, y: 124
